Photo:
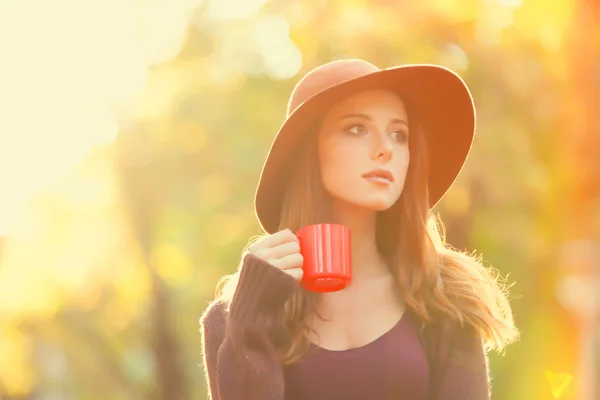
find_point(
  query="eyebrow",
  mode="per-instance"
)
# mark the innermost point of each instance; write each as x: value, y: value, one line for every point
x: 366, y: 117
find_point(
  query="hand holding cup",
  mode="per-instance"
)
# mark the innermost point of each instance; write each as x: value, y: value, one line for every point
x: 282, y: 250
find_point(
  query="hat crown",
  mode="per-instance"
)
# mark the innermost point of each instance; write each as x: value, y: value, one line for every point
x: 326, y: 76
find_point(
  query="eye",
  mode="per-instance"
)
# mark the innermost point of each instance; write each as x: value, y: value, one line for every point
x: 400, y: 136
x: 357, y: 129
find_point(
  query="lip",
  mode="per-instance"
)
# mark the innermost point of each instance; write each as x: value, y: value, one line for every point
x: 380, y: 173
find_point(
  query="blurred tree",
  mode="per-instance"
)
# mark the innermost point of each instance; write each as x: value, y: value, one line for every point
x: 188, y: 158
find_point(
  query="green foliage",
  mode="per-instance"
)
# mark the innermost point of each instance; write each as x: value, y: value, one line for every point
x: 108, y: 308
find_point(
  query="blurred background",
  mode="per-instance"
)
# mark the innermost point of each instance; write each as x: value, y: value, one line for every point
x: 132, y: 133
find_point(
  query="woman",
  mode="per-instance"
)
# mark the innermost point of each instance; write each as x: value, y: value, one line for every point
x: 374, y: 150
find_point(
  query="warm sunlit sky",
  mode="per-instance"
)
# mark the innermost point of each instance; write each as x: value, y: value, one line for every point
x: 72, y: 72
x: 68, y: 64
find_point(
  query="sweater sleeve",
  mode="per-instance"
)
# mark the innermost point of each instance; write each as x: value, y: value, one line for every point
x: 239, y: 357
x: 465, y: 372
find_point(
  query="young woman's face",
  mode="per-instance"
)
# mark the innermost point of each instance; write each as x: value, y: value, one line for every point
x: 363, y: 150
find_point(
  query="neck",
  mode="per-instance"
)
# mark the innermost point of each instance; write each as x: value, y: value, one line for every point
x: 366, y: 260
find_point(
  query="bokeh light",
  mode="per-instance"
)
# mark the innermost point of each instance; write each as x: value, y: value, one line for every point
x: 132, y: 133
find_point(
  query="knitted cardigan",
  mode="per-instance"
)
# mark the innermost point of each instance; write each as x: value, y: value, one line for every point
x: 240, y: 360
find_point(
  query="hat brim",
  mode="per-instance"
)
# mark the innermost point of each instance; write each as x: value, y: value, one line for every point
x: 439, y: 97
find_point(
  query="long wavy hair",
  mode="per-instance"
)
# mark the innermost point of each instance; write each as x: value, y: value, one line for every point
x: 436, y: 281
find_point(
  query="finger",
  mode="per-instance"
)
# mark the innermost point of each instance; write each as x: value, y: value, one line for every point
x: 296, y: 273
x: 290, y: 261
x: 280, y: 237
x: 284, y: 250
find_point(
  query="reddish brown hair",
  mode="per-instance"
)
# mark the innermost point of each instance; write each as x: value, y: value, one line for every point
x: 435, y: 280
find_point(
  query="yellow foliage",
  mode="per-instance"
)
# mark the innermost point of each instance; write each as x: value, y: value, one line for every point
x: 16, y: 374
x: 172, y: 264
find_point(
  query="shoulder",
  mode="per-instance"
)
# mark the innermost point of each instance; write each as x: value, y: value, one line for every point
x: 452, y: 334
x: 214, y: 318
x: 451, y: 343
x: 467, y: 346
x: 449, y: 327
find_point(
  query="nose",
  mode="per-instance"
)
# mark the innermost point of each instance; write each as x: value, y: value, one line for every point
x: 382, y: 148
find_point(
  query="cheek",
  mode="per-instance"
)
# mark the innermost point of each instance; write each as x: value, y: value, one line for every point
x: 333, y: 156
x: 336, y: 158
x: 403, y: 161
x: 337, y: 168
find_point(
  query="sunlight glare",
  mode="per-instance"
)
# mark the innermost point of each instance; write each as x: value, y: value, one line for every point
x: 281, y: 56
x: 163, y: 29
x: 65, y: 74
x: 234, y: 9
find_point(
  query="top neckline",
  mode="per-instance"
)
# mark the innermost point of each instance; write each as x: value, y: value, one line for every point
x: 372, y: 343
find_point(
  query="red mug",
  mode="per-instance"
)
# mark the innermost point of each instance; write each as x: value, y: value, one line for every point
x: 327, y: 257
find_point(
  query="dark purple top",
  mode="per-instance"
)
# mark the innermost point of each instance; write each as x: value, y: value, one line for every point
x: 393, y: 366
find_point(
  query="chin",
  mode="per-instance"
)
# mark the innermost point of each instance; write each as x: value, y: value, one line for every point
x: 379, y: 206
x: 375, y: 204
x: 372, y: 201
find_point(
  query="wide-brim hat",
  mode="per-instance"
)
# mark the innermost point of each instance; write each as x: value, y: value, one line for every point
x: 439, y: 97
